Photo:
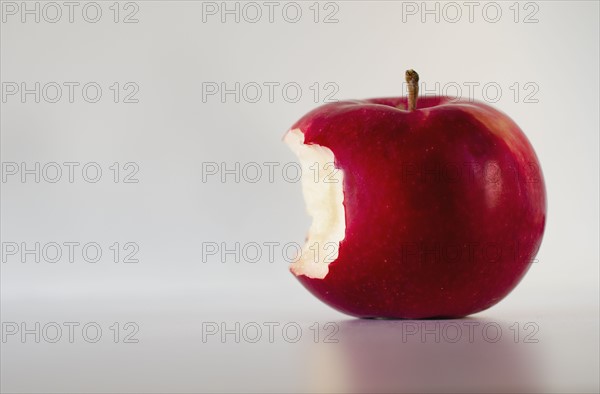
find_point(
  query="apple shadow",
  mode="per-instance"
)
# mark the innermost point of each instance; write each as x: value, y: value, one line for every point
x: 471, y: 354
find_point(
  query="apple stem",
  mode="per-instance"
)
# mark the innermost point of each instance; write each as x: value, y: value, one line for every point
x: 412, y: 79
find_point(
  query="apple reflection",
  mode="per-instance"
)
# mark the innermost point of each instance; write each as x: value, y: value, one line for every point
x: 428, y: 355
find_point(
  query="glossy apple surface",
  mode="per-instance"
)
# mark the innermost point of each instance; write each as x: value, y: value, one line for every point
x: 443, y: 211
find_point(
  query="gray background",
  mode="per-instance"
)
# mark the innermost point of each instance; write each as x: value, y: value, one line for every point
x: 172, y: 296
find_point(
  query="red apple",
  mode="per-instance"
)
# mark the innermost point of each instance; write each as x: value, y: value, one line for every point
x: 424, y: 209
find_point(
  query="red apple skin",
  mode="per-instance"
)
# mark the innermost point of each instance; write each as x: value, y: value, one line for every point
x: 423, y: 240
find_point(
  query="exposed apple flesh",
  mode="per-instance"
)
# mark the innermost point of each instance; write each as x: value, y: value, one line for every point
x: 322, y: 185
x: 441, y: 211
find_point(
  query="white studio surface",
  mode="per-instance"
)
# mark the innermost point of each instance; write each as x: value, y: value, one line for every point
x: 191, y: 103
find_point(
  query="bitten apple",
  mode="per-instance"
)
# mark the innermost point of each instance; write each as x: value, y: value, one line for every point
x: 421, y: 208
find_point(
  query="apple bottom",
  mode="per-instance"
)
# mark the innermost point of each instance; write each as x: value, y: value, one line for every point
x: 423, y: 280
